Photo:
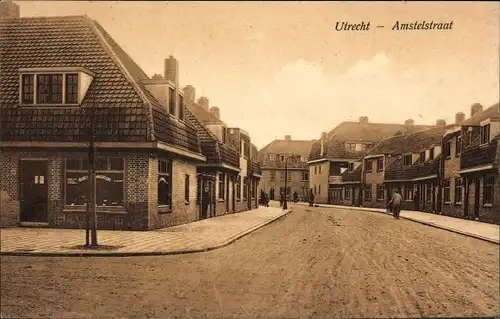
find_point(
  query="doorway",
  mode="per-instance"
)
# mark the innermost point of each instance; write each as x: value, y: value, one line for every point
x: 34, y: 191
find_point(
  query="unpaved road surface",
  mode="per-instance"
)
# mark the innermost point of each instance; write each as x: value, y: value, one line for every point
x: 315, y: 262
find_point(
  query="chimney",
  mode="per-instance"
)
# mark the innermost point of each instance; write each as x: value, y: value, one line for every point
x: 203, y: 101
x: 9, y: 9
x: 323, y: 139
x: 440, y: 122
x: 288, y: 138
x: 323, y: 136
x: 189, y: 93
x: 459, y: 117
x: 215, y: 112
x: 363, y: 120
x: 409, y: 122
x: 172, y: 70
x: 475, y: 108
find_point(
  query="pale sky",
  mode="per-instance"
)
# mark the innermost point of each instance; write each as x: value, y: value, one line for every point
x: 281, y: 68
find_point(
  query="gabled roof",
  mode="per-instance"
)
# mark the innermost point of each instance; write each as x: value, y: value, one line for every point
x: 410, y: 143
x: 492, y: 112
x: 352, y: 132
x: 285, y: 147
x: 125, y: 110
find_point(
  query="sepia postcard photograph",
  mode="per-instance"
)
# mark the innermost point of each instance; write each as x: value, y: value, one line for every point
x: 249, y: 159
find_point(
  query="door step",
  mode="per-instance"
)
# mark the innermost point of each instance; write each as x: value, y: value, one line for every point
x: 34, y: 224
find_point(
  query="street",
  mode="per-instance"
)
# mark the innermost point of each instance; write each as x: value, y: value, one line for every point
x: 314, y: 262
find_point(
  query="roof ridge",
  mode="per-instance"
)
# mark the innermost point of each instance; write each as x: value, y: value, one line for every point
x: 116, y: 59
x: 48, y: 17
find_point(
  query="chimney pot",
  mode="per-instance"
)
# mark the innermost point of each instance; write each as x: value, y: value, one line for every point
x: 363, y: 119
x: 459, y: 117
x: 171, y: 71
x: 157, y: 76
x: 215, y: 111
x: 440, y: 122
x: 9, y: 9
x: 475, y: 108
x: 203, y: 101
x: 189, y: 93
x: 288, y: 137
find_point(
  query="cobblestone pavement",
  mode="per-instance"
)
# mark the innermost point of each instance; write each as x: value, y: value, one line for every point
x: 312, y: 263
x: 202, y: 235
x: 485, y: 231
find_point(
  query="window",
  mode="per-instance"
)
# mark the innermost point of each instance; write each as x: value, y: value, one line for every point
x: 380, y: 164
x: 485, y: 134
x: 28, y: 87
x: 245, y: 188
x: 109, y: 182
x: 446, y: 191
x: 351, y: 167
x: 282, y: 158
x: 488, y: 190
x: 288, y: 191
x: 49, y: 88
x: 422, y: 157
x: 431, y: 153
x: 305, y: 176
x: 254, y: 190
x: 350, y: 147
x: 407, y: 160
x: 347, y: 193
x: 408, y: 194
x: 222, y: 185
x: 273, y: 176
x: 319, y: 189
x: 360, y: 147
x: 315, y: 169
x: 165, y: 183
x: 368, y: 165
x: 447, y: 148
x: 429, y: 192
x: 238, y: 187
x: 272, y: 157
x: 186, y: 188
x: 380, y: 192
x: 368, y: 192
x: 289, y: 176
x: 71, y: 88
x: 282, y: 176
x: 303, y: 158
x: 181, y: 108
x: 171, y: 101
x: 458, y: 190
x: 458, y: 146
x: 314, y: 189
x: 319, y: 169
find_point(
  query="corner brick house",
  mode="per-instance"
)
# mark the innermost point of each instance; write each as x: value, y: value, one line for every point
x: 273, y: 157
x: 55, y: 71
x: 474, y: 190
x: 338, y: 151
x: 231, y: 172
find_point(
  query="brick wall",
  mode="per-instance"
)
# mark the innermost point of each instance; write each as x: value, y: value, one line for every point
x: 320, y: 179
x: 451, y: 171
x: 181, y: 212
x: 9, y: 189
x: 487, y: 213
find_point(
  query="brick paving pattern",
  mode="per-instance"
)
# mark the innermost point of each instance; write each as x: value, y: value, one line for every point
x: 197, y: 236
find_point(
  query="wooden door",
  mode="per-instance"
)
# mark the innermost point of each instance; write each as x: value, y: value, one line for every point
x: 34, y: 191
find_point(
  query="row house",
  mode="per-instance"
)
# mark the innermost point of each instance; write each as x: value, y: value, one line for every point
x: 59, y: 75
x: 232, y: 177
x: 471, y: 166
x: 341, y: 150
x: 274, y: 156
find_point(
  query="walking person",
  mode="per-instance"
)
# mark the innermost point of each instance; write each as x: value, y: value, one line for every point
x: 416, y: 201
x: 295, y: 197
x: 282, y: 199
x: 266, y: 200
x: 311, y: 198
x: 395, y: 203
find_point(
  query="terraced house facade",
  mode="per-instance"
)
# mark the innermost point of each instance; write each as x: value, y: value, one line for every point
x: 58, y: 74
x: 335, y: 159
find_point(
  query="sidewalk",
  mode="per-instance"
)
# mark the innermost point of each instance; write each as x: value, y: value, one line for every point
x: 198, y: 236
x: 479, y: 230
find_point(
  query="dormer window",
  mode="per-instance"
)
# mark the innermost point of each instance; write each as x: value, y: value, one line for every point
x: 171, y: 101
x: 351, y: 167
x: 407, y: 160
x: 422, y: 157
x: 485, y: 133
x: 431, y: 153
x: 271, y: 157
x: 53, y: 86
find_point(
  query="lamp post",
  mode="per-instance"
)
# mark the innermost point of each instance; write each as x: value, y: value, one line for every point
x: 91, y: 211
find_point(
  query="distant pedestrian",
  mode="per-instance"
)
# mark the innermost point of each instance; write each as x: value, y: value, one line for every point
x: 416, y: 201
x: 311, y: 198
x: 395, y: 203
x: 282, y: 199
x: 266, y: 200
x: 295, y: 197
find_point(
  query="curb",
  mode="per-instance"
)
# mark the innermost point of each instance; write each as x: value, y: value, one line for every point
x: 226, y: 242
x: 420, y: 222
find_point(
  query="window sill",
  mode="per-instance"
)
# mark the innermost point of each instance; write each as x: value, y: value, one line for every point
x: 221, y: 200
x: 164, y: 209
x: 380, y: 199
x: 487, y: 205
x: 447, y: 157
x: 458, y: 203
x: 447, y: 203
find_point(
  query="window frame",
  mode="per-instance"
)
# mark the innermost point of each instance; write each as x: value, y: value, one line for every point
x: 368, y: 190
x: 458, y: 146
x: 34, y: 87
x: 422, y: 158
x: 238, y: 188
x: 380, y: 191
x: 408, y: 192
x: 168, y: 174
x: 488, y: 183
x: 186, y: 188
x: 447, y: 149
x: 407, y: 160
x: 380, y: 164
x: 306, y: 174
x: 485, y: 133
x: 458, y: 191
x: 221, y: 192
x: 347, y: 193
x: 368, y: 165
x: 82, y: 160
x: 272, y: 176
x: 446, y: 191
